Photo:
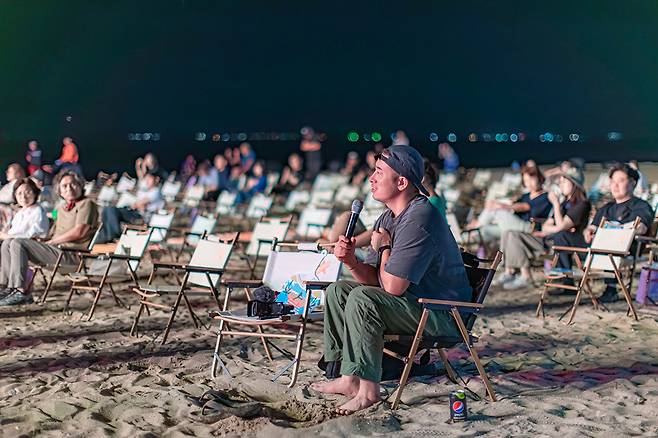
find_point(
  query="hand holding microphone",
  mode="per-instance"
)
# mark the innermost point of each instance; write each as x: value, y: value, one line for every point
x: 344, y: 250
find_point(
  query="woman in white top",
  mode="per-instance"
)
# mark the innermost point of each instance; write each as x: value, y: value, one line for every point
x: 30, y: 220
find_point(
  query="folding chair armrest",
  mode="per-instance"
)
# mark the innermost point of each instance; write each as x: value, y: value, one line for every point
x: 570, y: 249
x: 202, y: 270
x: 69, y: 249
x: 159, y: 227
x: 451, y: 303
x: 607, y: 251
x: 242, y: 283
x: 170, y: 265
x: 96, y: 255
x: 646, y: 239
x: 470, y: 230
x: 135, y: 227
x: 181, y: 230
x: 124, y: 257
x: 317, y: 285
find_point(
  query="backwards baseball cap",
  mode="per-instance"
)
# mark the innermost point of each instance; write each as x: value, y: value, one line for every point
x: 407, y: 162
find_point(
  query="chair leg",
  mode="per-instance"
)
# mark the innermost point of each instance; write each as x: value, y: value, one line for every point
x: 474, y: 354
x: 581, y: 285
x: 624, y: 290
x: 410, y: 358
x: 298, y: 353
x: 179, y: 297
x: 133, y: 329
x: 540, y: 305
x: 68, y: 299
x: 93, y: 305
x: 446, y: 363
x: 43, y: 297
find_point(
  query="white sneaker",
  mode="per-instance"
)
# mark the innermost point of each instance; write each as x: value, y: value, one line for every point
x: 502, y: 279
x: 518, y: 283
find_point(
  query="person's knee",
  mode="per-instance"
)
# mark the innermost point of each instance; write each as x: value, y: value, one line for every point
x: 360, y: 297
x: 336, y: 289
x: 560, y: 238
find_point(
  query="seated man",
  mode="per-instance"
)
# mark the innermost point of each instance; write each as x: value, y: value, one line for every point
x: 623, y: 209
x: 75, y: 225
x: 418, y: 257
x: 149, y: 201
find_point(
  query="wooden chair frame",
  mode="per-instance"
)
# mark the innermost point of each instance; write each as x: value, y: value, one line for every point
x: 104, y: 279
x: 301, y: 320
x: 183, y: 291
x: 585, y: 281
x: 467, y: 337
x: 78, y: 251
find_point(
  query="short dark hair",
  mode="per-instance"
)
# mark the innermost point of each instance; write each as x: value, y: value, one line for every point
x: 534, y: 172
x: 628, y: 170
x: 29, y: 182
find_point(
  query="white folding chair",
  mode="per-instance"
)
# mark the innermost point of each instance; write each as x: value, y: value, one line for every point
x: 104, y: 271
x: 226, y: 203
x: 170, y: 190
x: 312, y: 269
x: 193, y: 196
x: 126, y: 200
x: 312, y: 221
x: 126, y: 184
x: 107, y: 195
x: 259, y: 205
x: 202, y: 278
x: 297, y: 197
x: 346, y: 194
x: 266, y: 231
x: 606, y: 257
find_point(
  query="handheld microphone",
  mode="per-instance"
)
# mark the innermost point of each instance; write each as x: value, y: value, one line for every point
x: 357, y: 206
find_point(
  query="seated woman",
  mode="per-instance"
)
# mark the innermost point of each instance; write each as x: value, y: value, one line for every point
x: 564, y: 228
x: 256, y: 183
x: 292, y: 175
x: 497, y: 217
x: 14, y: 173
x: 31, y: 219
x: 149, y: 201
x: 75, y: 225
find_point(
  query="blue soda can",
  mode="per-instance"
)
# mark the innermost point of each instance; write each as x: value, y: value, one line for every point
x: 458, y: 409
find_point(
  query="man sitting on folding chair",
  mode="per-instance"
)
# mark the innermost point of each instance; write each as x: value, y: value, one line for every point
x: 624, y: 208
x: 418, y: 258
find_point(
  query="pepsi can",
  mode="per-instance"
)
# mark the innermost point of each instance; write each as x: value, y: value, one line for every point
x: 458, y: 410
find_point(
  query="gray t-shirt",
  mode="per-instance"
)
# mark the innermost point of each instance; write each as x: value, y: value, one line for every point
x: 424, y: 251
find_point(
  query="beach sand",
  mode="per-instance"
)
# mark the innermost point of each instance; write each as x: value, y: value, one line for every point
x: 60, y: 376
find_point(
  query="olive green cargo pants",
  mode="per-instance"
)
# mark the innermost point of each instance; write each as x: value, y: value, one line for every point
x: 357, y: 317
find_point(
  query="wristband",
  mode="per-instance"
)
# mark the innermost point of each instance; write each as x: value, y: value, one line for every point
x: 383, y: 248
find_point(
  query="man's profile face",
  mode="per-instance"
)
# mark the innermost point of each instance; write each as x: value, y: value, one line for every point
x: 384, y: 182
x: 620, y: 185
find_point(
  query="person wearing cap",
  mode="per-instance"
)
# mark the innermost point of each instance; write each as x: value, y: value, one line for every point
x: 624, y: 208
x: 564, y: 228
x: 417, y: 258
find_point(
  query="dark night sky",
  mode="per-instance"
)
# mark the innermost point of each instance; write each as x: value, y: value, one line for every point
x: 178, y: 67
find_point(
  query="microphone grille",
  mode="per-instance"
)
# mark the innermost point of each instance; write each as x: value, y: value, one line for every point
x: 357, y: 206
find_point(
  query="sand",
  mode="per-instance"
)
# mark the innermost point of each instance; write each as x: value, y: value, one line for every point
x: 60, y: 376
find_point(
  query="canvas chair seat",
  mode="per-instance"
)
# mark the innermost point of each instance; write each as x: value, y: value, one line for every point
x: 240, y: 317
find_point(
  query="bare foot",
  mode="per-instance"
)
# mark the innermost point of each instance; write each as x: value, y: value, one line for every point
x: 356, y: 404
x: 344, y: 385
